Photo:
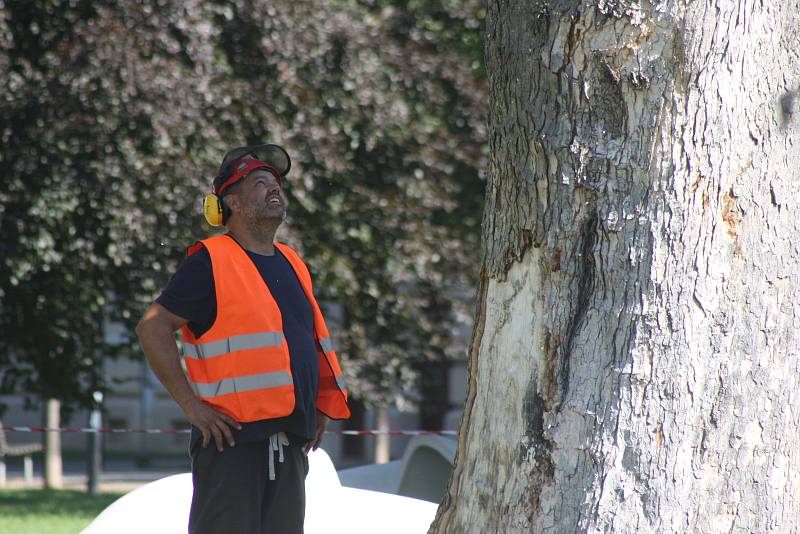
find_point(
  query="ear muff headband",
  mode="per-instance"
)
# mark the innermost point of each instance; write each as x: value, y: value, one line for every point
x: 242, y: 168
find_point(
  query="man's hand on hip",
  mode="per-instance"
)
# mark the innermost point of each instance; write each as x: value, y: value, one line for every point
x: 322, y: 422
x: 156, y: 333
x: 211, y: 423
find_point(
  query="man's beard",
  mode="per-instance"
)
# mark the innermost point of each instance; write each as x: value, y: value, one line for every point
x: 261, y: 222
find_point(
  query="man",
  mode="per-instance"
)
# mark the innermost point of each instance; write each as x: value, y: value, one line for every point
x: 261, y: 376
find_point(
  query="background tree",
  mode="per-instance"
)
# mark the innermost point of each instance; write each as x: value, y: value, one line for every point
x: 114, y: 116
x: 95, y: 144
x: 632, y: 367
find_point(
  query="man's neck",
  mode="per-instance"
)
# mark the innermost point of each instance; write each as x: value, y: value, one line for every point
x: 255, y: 239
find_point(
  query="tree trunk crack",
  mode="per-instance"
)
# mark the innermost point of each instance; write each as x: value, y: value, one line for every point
x: 586, y: 278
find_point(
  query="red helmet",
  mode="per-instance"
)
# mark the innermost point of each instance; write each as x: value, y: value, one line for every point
x: 241, y: 161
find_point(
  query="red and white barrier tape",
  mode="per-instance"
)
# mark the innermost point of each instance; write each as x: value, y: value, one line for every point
x: 393, y: 432
x: 186, y: 431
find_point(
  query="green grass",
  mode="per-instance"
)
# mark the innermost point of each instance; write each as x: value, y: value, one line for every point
x: 50, y: 511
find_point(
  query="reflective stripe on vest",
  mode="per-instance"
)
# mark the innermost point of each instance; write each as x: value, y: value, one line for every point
x: 258, y: 340
x: 327, y: 344
x: 239, y: 384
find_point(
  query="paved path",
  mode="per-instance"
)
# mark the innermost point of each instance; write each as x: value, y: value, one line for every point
x: 118, y: 475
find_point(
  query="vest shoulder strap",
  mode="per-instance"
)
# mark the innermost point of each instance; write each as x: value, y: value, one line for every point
x: 194, y: 248
x: 204, y: 243
x: 294, y: 258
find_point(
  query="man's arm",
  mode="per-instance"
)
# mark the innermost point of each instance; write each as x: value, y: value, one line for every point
x: 156, y: 333
x: 322, y: 422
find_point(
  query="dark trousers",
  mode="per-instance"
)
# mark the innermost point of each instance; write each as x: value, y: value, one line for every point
x: 233, y: 493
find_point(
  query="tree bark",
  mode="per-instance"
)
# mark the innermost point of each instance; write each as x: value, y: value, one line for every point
x: 631, y: 367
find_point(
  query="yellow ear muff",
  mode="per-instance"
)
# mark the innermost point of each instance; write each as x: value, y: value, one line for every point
x: 212, y: 209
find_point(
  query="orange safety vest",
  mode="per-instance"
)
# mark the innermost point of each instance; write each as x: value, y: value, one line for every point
x: 241, y: 364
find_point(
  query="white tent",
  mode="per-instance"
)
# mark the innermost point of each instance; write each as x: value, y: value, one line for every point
x: 162, y: 507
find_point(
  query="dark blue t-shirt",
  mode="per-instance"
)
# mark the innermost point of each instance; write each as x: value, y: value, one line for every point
x: 191, y: 295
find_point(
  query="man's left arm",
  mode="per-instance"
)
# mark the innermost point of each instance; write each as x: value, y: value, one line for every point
x: 322, y: 422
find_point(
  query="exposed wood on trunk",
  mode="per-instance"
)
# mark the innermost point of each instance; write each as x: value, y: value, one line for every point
x: 442, y: 519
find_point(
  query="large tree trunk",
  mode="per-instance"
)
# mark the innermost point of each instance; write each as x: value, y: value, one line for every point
x: 632, y: 367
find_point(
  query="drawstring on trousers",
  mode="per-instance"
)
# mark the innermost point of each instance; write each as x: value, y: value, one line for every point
x: 276, y: 442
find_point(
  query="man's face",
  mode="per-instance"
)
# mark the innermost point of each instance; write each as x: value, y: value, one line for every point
x: 261, y: 197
